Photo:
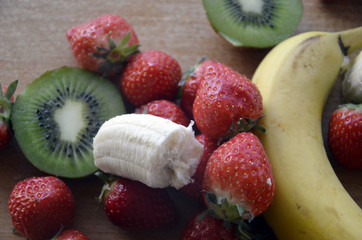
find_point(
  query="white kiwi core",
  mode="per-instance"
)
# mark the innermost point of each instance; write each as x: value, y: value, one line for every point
x: 254, y: 6
x: 69, y: 128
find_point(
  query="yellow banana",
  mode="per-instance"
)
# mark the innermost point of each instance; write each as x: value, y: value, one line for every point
x: 295, y: 79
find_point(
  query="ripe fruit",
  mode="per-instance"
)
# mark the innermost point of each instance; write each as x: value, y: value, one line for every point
x: 133, y: 205
x: 238, y: 179
x: 194, y: 189
x: 254, y: 23
x: 147, y: 148
x: 189, y: 84
x: 165, y: 109
x: 225, y: 102
x: 6, y: 102
x: 352, y: 81
x: 40, y: 207
x: 5, y: 135
x: 345, y: 135
x: 71, y: 234
x: 62, y: 111
x: 103, y: 44
x: 208, y: 228
x: 294, y: 142
x: 150, y: 75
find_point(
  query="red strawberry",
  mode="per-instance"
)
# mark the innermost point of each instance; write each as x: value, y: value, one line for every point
x: 40, y: 207
x: 238, y: 179
x: 345, y: 135
x: 208, y: 228
x: 71, y: 234
x: 165, y: 109
x: 194, y: 189
x: 103, y: 43
x: 133, y: 205
x: 189, y: 84
x: 150, y: 75
x: 225, y: 101
x: 5, y: 135
x: 6, y: 101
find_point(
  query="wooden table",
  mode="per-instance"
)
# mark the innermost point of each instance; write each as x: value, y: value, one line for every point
x: 32, y: 38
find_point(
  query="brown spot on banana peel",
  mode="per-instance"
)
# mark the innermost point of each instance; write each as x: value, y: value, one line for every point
x: 304, y: 47
x: 333, y: 212
x: 305, y: 211
x: 344, y: 49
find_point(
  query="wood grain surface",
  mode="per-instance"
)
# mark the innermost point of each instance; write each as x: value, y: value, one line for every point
x: 32, y: 38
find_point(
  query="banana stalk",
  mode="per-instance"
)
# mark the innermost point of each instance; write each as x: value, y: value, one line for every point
x: 295, y: 79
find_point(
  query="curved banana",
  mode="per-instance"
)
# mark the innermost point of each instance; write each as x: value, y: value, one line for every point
x: 149, y: 149
x: 295, y: 79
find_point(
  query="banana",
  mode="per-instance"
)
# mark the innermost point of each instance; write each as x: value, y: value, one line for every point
x: 149, y: 149
x: 295, y: 79
x: 352, y: 82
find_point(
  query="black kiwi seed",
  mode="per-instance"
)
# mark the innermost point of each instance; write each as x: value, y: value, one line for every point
x: 256, y: 23
x: 57, y: 116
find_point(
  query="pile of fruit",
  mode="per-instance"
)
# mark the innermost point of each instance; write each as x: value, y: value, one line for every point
x: 141, y: 125
x: 139, y: 151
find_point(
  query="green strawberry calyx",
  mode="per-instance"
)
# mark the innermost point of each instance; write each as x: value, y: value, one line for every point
x: 5, y: 103
x: 230, y: 213
x: 352, y: 106
x: 190, y: 72
x: 247, y: 227
x: 243, y: 125
x: 223, y: 209
x: 107, y: 179
x: 116, y: 56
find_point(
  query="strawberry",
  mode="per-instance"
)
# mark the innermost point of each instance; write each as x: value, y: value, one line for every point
x: 165, y: 109
x: 207, y: 227
x: 6, y: 101
x: 133, y: 205
x: 194, y: 189
x: 40, y: 207
x: 70, y: 234
x: 5, y: 135
x: 225, y: 102
x: 189, y: 84
x: 103, y: 44
x: 345, y: 136
x: 238, y: 179
x: 150, y: 75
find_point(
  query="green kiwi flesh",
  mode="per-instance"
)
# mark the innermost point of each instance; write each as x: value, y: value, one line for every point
x: 254, y: 23
x: 56, y: 117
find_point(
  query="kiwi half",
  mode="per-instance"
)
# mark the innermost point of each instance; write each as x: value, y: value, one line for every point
x: 57, y: 116
x: 254, y: 23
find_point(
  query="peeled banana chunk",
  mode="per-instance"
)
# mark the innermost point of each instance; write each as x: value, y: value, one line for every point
x: 149, y: 149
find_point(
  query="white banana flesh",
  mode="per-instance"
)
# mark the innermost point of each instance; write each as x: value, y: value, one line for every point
x: 352, y: 82
x: 149, y: 149
x: 295, y: 79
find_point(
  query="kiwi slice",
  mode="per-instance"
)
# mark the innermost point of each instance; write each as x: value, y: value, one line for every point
x: 57, y: 116
x: 254, y: 23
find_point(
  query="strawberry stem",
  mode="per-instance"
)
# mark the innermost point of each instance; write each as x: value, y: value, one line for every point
x: 243, y: 125
x: 187, y: 74
x: 5, y: 104
x: 11, y: 89
x: 116, y: 56
x: 223, y: 209
x: 107, y: 179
